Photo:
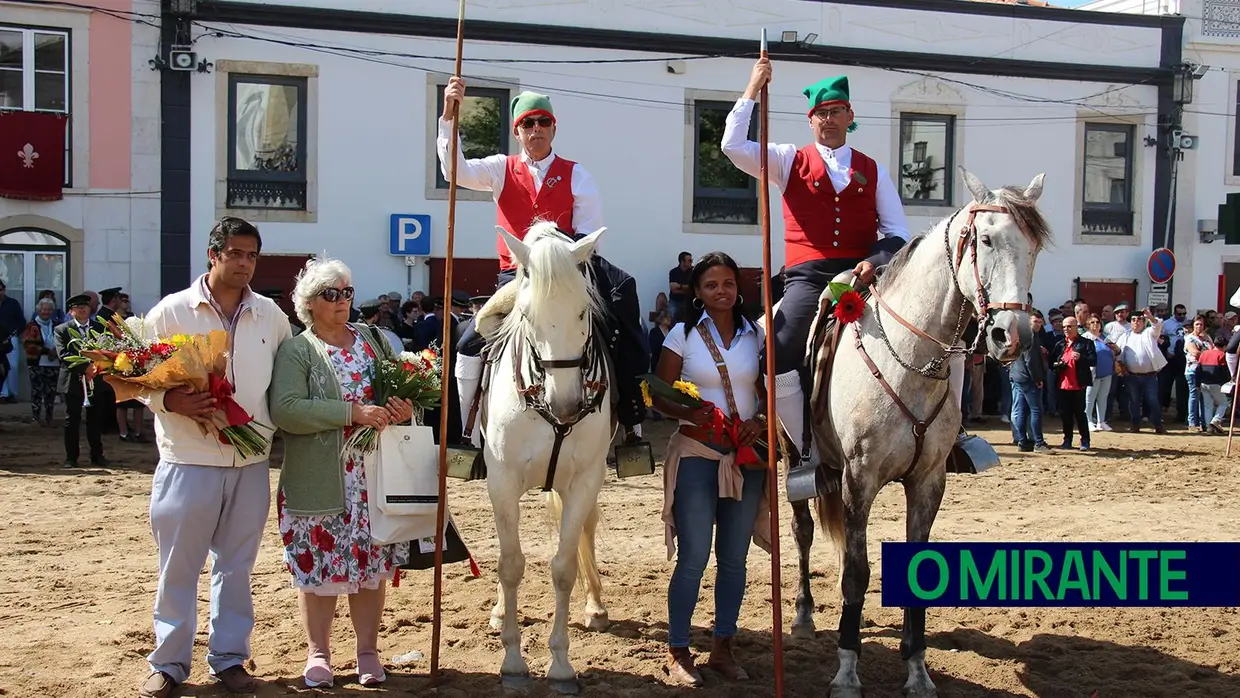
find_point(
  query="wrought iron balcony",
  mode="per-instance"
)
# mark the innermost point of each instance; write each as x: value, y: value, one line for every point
x: 725, y: 209
x: 1106, y: 222
x: 260, y: 193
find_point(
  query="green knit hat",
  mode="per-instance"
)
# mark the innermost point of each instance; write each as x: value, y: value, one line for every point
x: 829, y: 91
x: 531, y: 104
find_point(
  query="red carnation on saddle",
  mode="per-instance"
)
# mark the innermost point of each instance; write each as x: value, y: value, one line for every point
x: 850, y: 307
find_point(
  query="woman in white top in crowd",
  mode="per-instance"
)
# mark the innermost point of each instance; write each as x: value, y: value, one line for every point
x: 707, y: 494
x: 1195, y: 342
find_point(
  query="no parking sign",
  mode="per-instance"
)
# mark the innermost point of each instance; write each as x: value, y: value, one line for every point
x: 1161, y: 265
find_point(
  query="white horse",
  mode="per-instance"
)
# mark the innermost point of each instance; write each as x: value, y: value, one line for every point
x: 548, y: 423
x: 890, y: 413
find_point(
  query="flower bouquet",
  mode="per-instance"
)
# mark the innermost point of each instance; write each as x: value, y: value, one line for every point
x: 413, y: 376
x: 132, y: 364
x: 687, y: 394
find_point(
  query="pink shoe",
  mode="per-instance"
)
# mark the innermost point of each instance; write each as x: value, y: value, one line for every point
x: 370, y: 669
x: 318, y: 673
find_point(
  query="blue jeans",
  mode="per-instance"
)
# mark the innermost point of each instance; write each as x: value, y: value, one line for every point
x: 699, y: 511
x: 1027, y: 414
x: 1194, y: 400
x: 1146, y: 387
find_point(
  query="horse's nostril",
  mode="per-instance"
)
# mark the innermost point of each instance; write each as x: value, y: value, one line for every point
x: 998, y: 336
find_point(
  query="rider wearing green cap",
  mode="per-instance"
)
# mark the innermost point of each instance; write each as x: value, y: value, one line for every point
x: 539, y: 185
x: 842, y: 213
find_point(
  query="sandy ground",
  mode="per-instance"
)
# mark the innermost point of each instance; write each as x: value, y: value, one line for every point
x: 78, y: 574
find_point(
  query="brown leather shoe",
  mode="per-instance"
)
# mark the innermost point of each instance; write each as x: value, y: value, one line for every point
x: 680, y: 668
x: 722, y: 661
x: 157, y: 685
x: 237, y: 680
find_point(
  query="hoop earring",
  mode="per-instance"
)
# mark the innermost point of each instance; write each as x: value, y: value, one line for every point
x: 740, y: 300
x: 697, y: 303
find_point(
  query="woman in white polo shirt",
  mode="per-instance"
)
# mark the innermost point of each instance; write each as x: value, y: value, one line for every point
x: 706, y: 493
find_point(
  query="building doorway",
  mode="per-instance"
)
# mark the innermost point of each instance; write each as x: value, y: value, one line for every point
x: 33, y: 261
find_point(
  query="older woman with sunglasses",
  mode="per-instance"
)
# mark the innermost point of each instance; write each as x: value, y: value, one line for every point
x: 320, y: 392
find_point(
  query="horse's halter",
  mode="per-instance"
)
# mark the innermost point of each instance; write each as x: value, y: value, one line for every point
x: 589, y: 362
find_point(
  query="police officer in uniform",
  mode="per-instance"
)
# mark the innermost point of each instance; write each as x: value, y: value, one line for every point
x: 536, y: 185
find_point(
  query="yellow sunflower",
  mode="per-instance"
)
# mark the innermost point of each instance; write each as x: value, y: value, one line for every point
x: 688, y: 389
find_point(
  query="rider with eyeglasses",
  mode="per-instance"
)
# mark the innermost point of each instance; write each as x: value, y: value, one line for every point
x: 842, y: 213
x: 538, y: 185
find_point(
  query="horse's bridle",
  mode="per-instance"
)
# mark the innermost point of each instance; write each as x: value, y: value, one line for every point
x: 534, y: 394
x: 984, y: 315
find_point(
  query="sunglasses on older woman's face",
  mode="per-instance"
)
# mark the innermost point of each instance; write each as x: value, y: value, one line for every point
x: 331, y: 295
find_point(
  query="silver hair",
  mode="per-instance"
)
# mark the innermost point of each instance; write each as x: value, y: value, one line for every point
x: 318, y: 274
x: 45, y: 301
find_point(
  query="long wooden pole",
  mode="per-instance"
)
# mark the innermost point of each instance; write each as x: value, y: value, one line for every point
x: 446, y: 357
x: 1231, y: 427
x: 764, y: 196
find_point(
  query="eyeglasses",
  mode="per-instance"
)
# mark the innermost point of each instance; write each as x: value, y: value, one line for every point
x: 331, y: 295
x: 528, y: 122
x: 831, y: 114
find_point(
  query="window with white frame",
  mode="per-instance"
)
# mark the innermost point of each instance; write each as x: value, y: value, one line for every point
x: 267, y: 161
x: 34, y: 76
x: 721, y: 192
x: 1107, y: 191
x: 485, y: 125
x: 927, y: 146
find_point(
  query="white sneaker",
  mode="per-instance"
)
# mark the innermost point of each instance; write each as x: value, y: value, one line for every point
x: 1005, y: 419
x: 1093, y: 427
x: 1103, y: 426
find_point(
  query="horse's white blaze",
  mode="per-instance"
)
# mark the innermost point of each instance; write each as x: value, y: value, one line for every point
x: 554, y: 306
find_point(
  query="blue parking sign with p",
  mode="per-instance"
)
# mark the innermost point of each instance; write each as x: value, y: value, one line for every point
x: 410, y: 235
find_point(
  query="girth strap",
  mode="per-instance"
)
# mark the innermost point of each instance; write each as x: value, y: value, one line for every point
x: 920, y: 427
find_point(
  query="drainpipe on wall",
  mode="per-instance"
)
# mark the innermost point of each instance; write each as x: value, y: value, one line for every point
x: 1170, y: 115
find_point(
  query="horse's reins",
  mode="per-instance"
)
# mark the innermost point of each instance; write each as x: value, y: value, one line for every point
x: 985, y: 310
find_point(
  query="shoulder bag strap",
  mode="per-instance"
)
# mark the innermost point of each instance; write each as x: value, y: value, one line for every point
x: 723, y: 369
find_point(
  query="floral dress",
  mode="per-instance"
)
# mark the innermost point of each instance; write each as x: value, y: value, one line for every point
x: 332, y: 555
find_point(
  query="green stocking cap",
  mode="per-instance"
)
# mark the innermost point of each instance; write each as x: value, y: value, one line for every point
x: 531, y: 103
x: 829, y: 91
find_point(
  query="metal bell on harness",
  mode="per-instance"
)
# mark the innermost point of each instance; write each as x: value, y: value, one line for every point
x: 806, y: 481
x: 634, y: 459
x: 466, y: 463
x: 971, y: 455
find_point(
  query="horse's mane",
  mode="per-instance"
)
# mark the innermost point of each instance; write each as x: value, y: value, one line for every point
x: 555, y: 278
x: 1024, y: 211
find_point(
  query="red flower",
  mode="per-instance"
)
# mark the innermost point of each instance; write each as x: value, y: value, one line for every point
x: 850, y: 307
x: 339, y: 578
x: 305, y: 562
x: 369, y: 352
x: 364, y: 498
x: 357, y: 376
x: 363, y: 558
x: 321, y: 539
x: 348, y: 518
x: 288, y: 537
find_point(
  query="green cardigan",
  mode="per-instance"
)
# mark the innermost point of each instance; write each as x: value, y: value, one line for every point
x: 307, y: 406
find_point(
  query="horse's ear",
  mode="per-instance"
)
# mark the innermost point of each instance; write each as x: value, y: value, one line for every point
x: 583, y: 248
x: 980, y: 193
x: 1034, y: 190
x: 517, y: 248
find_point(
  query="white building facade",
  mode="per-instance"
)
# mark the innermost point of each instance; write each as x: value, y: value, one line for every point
x: 92, y: 66
x: 1208, y: 268
x: 319, y: 124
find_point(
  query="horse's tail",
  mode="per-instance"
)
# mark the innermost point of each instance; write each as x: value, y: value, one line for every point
x: 587, y: 566
x: 831, y: 518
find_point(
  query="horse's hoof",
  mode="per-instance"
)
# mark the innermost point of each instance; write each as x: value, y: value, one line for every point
x: 515, y: 682
x: 497, y: 623
x: 565, y: 687
x: 598, y: 622
x: 846, y: 691
x: 804, y: 631
x: 921, y: 692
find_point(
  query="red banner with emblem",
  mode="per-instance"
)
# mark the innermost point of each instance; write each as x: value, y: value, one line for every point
x: 32, y: 155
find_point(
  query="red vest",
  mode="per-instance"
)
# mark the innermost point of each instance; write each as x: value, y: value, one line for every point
x: 821, y: 223
x: 519, y: 206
